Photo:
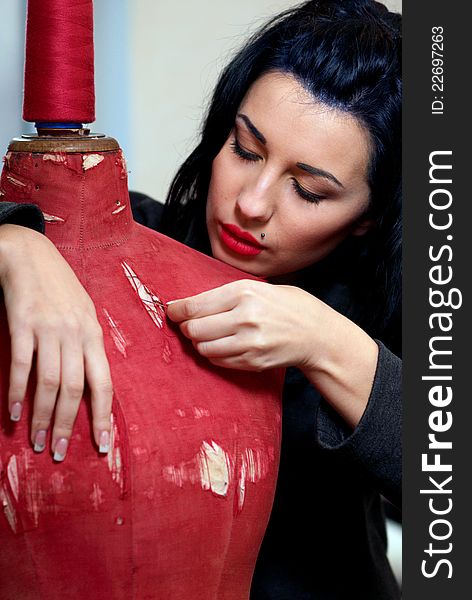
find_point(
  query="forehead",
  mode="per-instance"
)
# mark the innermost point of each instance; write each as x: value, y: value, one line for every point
x: 303, y: 129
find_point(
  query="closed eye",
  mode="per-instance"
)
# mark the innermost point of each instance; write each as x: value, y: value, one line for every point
x: 305, y: 194
x: 242, y: 153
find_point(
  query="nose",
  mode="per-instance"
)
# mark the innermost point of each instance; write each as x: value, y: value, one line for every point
x: 257, y: 198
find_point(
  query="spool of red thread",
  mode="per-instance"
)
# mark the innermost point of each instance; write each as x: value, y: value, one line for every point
x: 59, y: 74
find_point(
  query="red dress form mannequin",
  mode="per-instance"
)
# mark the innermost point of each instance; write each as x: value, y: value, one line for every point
x: 179, y: 506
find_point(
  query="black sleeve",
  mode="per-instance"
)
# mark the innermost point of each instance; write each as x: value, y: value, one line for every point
x: 375, y: 444
x: 146, y: 211
x: 28, y: 215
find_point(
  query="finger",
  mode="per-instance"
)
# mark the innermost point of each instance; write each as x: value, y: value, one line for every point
x: 221, y: 348
x: 70, y: 395
x: 98, y: 376
x: 232, y: 353
x: 237, y: 363
x: 209, y: 328
x: 22, y: 349
x: 214, y: 301
x: 48, y: 379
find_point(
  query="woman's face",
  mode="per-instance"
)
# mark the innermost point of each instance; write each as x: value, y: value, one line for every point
x: 290, y: 182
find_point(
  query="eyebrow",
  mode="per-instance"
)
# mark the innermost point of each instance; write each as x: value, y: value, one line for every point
x: 319, y: 173
x: 308, y: 168
x: 252, y: 128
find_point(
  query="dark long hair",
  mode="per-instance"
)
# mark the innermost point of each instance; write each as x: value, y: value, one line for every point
x: 346, y: 53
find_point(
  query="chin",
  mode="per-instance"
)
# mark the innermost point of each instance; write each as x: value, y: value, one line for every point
x: 243, y: 264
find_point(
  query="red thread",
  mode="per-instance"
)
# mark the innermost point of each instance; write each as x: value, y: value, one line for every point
x: 59, y: 75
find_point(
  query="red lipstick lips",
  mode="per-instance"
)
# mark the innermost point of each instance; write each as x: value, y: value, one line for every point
x: 239, y: 241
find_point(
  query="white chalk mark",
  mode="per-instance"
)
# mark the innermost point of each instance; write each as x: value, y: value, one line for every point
x: 56, y: 158
x: 57, y: 482
x: 16, y: 182
x: 118, y: 210
x: 153, y: 305
x: 198, y: 413
x: 118, y: 463
x: 120, y: 161
x: 37, y: 495
x: 34, y: 496
x: 138, y: 452
x: 89, y: 161
x: 12, y: 473
x: 211, y: 468
x: 214, y: 468
x: 114, y: 455
x: 166, y: 353
x: 35, y: 499
x: 52, y: 218
x: 116, y: 335
x: 8, y: 508
x: 96, y: 497
x: 255, y: 465
x: 242, y: 486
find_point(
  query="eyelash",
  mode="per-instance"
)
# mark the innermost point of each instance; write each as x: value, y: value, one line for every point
x: 305, y: 194
x: 251, y: 157
x: 243, y: 154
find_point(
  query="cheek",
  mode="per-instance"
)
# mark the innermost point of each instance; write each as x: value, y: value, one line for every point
x: 227, y: 176
x: 314, y: 238
x: 213, y: 192
x: 217, y: 189
x: 309, y: 233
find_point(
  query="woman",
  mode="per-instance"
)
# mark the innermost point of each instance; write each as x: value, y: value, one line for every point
x: 296, y: 179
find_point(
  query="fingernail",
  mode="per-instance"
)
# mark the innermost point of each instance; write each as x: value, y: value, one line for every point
x: 104, y: 445
x: 40, y: 441
x: 15, y: 413
x: 171, y: 302
x: 60, y: 450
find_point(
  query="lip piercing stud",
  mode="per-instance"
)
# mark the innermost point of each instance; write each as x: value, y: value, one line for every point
x: 262, y: 235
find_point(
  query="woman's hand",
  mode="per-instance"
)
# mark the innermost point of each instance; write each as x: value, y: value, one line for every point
x: 251, y: 325
x: 50, y: 314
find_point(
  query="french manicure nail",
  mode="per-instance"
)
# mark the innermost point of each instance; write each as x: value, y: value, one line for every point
x: 40, y: 441
x: 104, y: 439
x: 15, y: 413
x: 60, y: 450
